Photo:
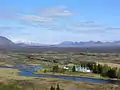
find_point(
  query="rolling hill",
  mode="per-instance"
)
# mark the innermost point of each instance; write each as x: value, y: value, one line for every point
x: 5, y: 42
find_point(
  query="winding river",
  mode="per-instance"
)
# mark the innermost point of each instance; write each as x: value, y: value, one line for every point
x: 26, y: 70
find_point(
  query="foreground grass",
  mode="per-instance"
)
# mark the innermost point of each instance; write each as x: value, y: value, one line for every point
x: 9, y: 87
x: 45, y: 84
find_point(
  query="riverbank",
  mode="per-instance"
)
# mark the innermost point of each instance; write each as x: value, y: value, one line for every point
x: 77, y: 74
x: 69, y: 74
x: 5, y: 64
x: 10, y: 73
x: 30, y: 83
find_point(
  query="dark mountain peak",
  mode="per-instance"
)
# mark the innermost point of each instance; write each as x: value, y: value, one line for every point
x: 5, y: 41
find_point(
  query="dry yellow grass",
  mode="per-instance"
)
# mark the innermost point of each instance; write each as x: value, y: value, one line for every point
x: 110, y: 64
x: 8, y: 73
x: 5, y: 64
x: 44, y: 84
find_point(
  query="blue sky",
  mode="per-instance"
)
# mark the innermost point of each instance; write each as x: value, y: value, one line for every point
x: 54, y: 21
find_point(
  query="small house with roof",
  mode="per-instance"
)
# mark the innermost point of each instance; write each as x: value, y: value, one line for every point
x: 82, y: 69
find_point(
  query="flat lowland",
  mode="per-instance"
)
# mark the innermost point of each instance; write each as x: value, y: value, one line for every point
x: 45, y: 84
x: 9, y: 75
x: 58, y: 57
x: 111, y: 64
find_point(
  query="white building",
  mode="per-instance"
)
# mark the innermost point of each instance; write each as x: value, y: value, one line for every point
x: 66, y: 67
x: 82, y: 69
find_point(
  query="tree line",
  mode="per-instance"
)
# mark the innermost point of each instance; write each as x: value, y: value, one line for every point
x: 106, y: 71
x: 55, y: 88
x: 103, y: 70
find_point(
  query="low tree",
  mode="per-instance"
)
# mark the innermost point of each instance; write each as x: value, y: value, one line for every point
x: 100, y: 68
x: 73, y: 69
x: 58, y: 88
x: 105, y: 70
x: 55, y: 69
x: 112, y: 73
x: 90, y: 65
x: 52, y: 88
x: 95, y: 68
x: 118, y: 73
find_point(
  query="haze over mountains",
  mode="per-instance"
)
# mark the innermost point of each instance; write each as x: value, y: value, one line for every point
x: 89, y: 44
x: 67, y: 46
x: 75, y: 44
x: 6, y: 42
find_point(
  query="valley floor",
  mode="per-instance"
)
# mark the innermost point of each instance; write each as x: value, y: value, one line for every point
x: 9, y: 76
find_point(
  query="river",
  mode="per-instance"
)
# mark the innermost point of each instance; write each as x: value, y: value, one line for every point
x: 26, y: 70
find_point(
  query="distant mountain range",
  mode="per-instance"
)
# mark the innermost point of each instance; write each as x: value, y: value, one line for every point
x: 67, y: 46
x: 6, y: 42
x: 89, y: 44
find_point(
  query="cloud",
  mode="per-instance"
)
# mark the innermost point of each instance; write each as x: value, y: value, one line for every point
x: 25, y: 17
x: 87, y: 24
x: 58, y: 11
x: 85, y: 31
x: 46, y: 15
x: 8, y: 15
x: 35, y: 18
x: 10, y: 28
x: 47, y: 18
x: 51, y: 26
x: 113, y: 28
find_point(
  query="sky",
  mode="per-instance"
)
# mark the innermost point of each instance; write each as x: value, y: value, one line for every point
x: 55, y: 21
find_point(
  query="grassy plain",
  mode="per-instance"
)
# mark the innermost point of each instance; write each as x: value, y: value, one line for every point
x: 8, y: 76
x: 45, y: 84
x: 58, y: 57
